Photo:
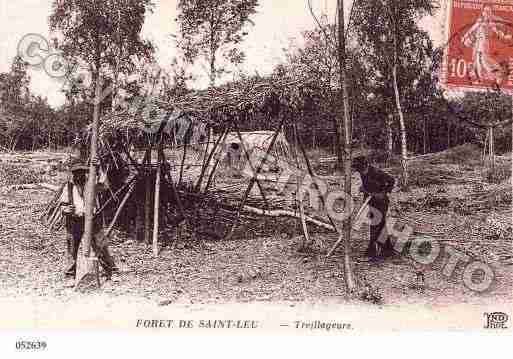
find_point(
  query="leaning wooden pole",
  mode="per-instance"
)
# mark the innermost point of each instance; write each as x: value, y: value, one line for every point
x: 206, y: 161
x: 174, y: 189
x: 299, y: 196
x: 218, y: 156
x: 356, y: 218
x: 108, y: 201
x: 54, y: 215
x: 253, y: 171
x: 253, y: 179
x: 316, y: 185
x: 345, y: 128
x: 120, y: 209
x: 182, y: 163
x: 53, y: 204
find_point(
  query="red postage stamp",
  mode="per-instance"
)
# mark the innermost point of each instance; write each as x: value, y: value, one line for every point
x: 479, y: 49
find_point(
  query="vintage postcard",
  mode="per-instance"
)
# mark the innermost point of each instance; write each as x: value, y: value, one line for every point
x: 254, y: 166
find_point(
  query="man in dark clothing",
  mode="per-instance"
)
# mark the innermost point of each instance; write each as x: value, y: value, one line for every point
x: 377, y: 184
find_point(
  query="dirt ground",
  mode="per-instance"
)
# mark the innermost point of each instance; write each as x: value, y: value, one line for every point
x: 252, y: 267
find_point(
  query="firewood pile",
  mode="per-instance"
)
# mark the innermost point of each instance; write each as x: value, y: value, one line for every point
x: 15, y: 174
x: 28, y: 168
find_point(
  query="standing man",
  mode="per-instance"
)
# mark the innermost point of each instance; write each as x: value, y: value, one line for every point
x: 73, y: 209
x: 377, y: 184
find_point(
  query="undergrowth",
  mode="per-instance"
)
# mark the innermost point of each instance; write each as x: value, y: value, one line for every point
x: 498, y: 174
x: 13, y: 174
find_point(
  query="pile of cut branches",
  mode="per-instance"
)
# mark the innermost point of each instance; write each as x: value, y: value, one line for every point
x: 15, y: 174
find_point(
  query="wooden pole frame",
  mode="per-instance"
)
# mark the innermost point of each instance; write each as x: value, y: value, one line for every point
x: 299, y: 199
x: 314, y: 179
x: 174, y: 190
x: 252, y: 180
x: 218, y: 159
x: 107, y: 202
x: 206, y: 162
x: 185, y: 143
x: 131, y: 188
x: 357, y: 217
x: 52, y: 204
x: 253, y: 171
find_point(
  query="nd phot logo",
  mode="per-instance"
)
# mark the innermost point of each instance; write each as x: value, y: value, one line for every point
x: 496, y: 320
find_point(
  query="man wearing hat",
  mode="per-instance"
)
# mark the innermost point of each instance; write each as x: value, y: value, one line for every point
x: 73, y: 209
x: 377, y: 184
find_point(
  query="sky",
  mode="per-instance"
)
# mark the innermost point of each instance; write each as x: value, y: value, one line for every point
x: 277, y: 23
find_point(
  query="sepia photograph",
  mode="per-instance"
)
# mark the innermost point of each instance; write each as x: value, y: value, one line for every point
x: 255, y: 166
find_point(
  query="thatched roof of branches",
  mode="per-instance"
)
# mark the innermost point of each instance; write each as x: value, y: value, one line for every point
x: 217, y: 107
x: 269, y: 96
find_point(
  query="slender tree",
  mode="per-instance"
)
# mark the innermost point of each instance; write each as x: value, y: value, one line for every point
x: 89, y: 28
x: 100, y: 38
x: 317, y: 61
x: 397, y: 50
x: 214, y: 29
x: 345, y: 129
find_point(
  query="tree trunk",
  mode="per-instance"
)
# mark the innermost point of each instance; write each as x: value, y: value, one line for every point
x: 313, y: 138
x: 338, y: 144
x: 157, y: 203
x: 457, y: 134
x: 402, y: 127
x: 390, y: 139
x: 14, y: 143
x: 139, y: 215
x: 345, y: 127
x: 91, y: 182
x: 212, y: 71
x: 34, y: 137
x: 491, y: 149
x: 424, y: 136
x: 212, y: 55
x: 147, y: 202
x: 114, y: 92
x: 448, y: 134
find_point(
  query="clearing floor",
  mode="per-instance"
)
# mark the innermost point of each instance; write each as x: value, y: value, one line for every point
x: 257, y: 267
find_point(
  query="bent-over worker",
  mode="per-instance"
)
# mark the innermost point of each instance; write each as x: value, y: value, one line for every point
x: 377, y: 184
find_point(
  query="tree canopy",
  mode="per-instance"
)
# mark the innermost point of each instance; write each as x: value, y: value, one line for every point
x: 214, y: 29
x: 102, y: 37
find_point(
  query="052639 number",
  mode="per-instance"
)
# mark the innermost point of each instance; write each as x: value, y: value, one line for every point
x: 30, y: 345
